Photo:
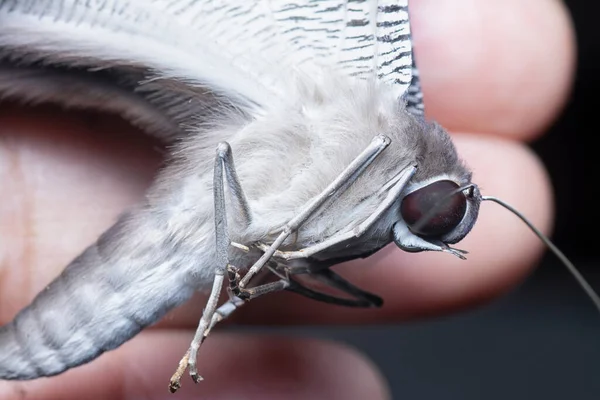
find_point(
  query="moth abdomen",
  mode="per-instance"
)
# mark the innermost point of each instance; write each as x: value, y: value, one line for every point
x: 50, y: 335
x: 102, y: 299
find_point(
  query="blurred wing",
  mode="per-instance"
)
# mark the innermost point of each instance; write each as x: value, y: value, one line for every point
x: 363, y: 38
x: 131, y: 57
x: 165, y: 64
x: 366, y: 39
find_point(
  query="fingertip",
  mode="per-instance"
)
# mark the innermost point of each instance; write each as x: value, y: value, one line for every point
x: 500, y: 66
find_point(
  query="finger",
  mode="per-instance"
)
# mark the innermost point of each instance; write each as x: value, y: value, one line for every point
x: 233, y: 367
x: 65, y: 178
x: 494, y: 66
x: 501, y: 252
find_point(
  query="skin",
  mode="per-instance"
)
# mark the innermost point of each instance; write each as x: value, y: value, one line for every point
x: 66, y: 176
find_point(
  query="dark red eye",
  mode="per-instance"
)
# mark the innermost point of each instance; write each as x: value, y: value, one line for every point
x: 449, y: 210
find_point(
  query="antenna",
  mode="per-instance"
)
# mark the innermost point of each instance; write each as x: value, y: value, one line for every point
x: 559, y: 254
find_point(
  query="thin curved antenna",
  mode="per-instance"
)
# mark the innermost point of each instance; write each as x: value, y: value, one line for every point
x: 570, y: 266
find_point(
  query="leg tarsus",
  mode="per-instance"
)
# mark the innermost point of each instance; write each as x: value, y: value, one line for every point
x: 334, y: 280
x: 204, y: 325
x: 175, y: 382
x: 257, y: 291
x: 296, y: 287
x: 321, y: 272
x: 334, y: 189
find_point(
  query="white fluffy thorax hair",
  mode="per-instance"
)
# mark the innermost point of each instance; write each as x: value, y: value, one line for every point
x: 289, y: 153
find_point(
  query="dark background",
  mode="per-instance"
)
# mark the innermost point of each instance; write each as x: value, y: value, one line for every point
x: 542, y: 341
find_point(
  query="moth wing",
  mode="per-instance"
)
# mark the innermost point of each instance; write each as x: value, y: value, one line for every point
x: 368, y: 39
x: 165, y: 65
x: 129, y: 57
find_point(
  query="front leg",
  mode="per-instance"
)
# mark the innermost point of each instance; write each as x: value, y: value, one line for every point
x: 335, y: 188
x: 396, y: 187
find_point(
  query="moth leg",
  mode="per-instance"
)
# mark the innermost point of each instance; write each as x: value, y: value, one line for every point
x: 234, y: 302
x: 234, y: 279
x: 238, y: 298
x: 223, y: 161
x: 248, y: 294
x: 338, y: 186
x: 189, y: 359
x: 223, y: 312
x: 365, y: 299
x: 241, y: 203
x: 350, y: 233
x: 297, y: 288
x: 320, y: 271
x: 334, y: 280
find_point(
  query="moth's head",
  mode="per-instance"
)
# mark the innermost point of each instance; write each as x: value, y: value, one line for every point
x: 440, y: 205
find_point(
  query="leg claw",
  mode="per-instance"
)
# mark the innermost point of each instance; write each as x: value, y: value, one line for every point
x: 174, y: 385
x: 194, y: 374
x: 195, y: 377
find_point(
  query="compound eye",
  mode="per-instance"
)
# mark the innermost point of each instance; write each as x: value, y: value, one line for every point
x: 449, y: 210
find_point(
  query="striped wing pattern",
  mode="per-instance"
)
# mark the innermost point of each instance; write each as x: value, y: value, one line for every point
x: 364, y: 38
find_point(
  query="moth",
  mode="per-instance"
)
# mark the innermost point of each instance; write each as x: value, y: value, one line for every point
x: 297, y: 141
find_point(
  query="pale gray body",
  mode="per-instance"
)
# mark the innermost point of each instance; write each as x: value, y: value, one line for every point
x: 292, y: 132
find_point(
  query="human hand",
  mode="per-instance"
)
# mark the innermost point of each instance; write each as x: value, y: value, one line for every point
x: 65, y: 177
